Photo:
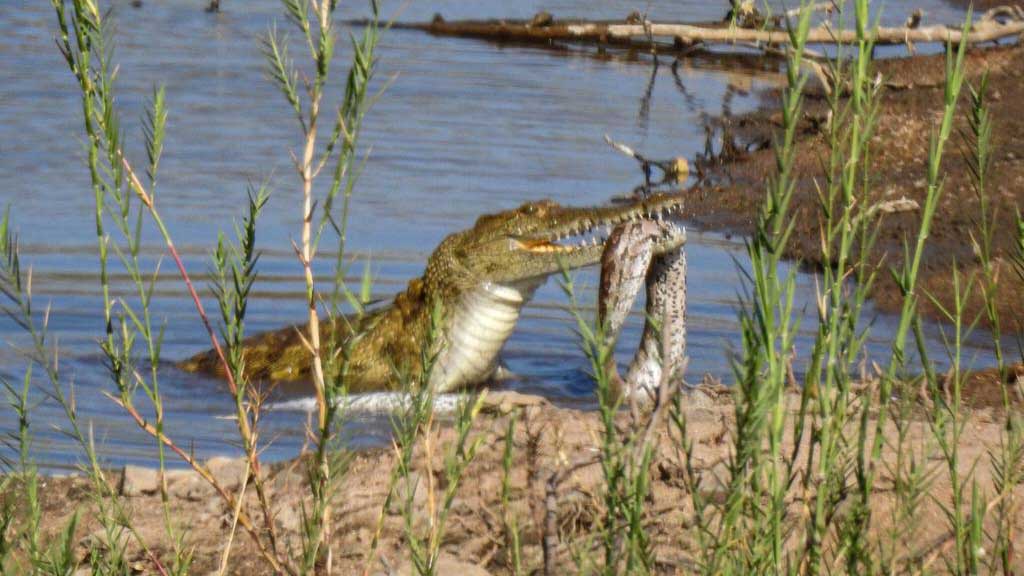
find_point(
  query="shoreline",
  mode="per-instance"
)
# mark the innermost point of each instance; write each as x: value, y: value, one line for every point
x: 546, y: 439
x: 907, y: 105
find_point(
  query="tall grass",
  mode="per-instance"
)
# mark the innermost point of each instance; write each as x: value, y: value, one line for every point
x: 755, y: 530
x: 314, y: 21
x: 510, y: 521
x: 754, y: 510
x: 414, y: 425
x: 21, y: 513
x: 1006, y: 458
x: 125, y: 203
x: 624, y: 462
x: 802, y: 477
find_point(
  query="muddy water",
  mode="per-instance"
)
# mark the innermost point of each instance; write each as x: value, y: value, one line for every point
x: 465, y: 128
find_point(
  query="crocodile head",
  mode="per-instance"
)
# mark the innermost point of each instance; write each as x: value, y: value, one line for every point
x: 541, y: 238
x: 484, y: 275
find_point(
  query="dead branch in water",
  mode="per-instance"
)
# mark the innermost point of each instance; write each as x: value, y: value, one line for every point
x: 998, y: 23
x: 673, y: 170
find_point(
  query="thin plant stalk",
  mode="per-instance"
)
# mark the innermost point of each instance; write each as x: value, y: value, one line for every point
x: 315, y: 21
x: 513, y: 544
x: 871, y: 442
x: 1007, y: 458
x: 625, y: 459
x: 846, y: 208
x: 96, y: 84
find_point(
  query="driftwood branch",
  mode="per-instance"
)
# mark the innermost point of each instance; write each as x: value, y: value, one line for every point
x: 673, y: 170
x: 996, y: 24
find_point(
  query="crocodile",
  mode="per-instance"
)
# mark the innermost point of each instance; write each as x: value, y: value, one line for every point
x: 477, y: 280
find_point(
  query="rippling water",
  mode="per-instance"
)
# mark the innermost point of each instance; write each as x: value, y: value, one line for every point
x: 465, y: 128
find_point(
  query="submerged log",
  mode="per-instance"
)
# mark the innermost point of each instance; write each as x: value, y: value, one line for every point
x: 994, y: 25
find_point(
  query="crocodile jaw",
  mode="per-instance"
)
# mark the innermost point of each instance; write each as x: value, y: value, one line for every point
x: 476, y: 330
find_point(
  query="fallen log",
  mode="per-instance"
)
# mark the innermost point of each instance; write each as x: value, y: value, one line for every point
x: 983, y: 31
x: 996, y: 24
x: 534, y: 31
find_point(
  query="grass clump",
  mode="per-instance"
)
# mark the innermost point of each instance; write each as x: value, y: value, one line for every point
x: 125, y: 203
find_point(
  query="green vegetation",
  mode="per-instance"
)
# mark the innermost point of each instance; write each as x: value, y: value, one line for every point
x: 822, y: 448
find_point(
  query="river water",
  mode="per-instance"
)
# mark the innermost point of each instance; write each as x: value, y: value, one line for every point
x: 464, y: 128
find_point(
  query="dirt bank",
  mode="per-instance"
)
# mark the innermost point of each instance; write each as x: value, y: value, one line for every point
x: 980, y: 5
x: 909, y: 110
x: 547, y: 440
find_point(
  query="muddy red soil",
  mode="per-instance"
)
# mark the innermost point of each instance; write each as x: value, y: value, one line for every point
x: 980, y: 5
x: 909, y: 110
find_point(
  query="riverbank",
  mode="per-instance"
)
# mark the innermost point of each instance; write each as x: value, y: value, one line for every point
x: 908, y: 110
x: 985, y: 4
x: 909, y: 107
x: 547, y: 441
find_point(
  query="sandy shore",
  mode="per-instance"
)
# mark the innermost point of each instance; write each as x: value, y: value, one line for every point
x: 547, y: 440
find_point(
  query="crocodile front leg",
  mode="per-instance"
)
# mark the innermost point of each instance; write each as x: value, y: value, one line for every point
x: 628, y: 260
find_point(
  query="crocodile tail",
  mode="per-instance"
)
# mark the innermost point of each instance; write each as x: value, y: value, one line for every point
x: 279, y: 355
x: 204, y: 363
